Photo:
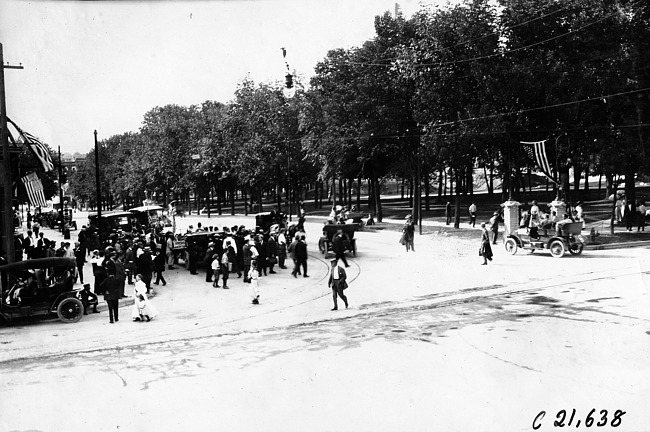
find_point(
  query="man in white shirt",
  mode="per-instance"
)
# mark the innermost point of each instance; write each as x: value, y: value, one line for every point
x: 472, y: 215
x: 337, y: 283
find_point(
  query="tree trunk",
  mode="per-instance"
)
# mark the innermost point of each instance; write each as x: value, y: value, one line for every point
x: 427, y: 192
x: 232, y: 198
x: 577, y: 174
x: 377, y: 196
x: 441, y: 184
x: 359, y: 193
x: 457, y: 203
x: 450, y: 178
x: 630, y: 189
x: 487, y: 181
x: 609, y: 185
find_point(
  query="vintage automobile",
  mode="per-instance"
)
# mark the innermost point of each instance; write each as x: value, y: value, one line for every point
x: 568, y: 238
x: 52, y: 219
x: 194, y: 245
x: 111, y: 221
x: 150, y: 214
x: 330, y: 230
x: 264, y: 221
x: 41, y: 286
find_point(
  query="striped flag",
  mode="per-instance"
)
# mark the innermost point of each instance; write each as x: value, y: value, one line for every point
x: 34, y: 189
x: 536, y: 151
x: 38, y: 148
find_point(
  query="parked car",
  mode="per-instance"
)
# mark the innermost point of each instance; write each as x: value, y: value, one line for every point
x: 42, y: 287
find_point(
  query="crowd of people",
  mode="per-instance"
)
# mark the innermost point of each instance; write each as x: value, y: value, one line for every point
x: 630, y: 213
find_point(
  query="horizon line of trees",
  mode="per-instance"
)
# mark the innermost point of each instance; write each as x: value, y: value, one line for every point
x: 429, y: 99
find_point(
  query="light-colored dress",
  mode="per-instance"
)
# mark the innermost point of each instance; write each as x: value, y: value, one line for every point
x: 253, y: 275
x: 142, y: 307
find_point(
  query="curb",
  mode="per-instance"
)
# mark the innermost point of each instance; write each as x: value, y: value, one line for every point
x: 618, y: 245
x: 128, y: 301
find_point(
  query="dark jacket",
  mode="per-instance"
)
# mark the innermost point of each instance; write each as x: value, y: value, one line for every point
x: 144, y: 264
x: 112, y: 288
x: 247, y: 253
x: 300, y: 251
x: 159, y: 263
x: 342, y: 277
x: 271, y: 247
x: 338, y: 244
x: 80, y: 256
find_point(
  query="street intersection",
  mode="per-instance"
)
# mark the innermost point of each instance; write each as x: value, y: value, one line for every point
x: 432, y: 341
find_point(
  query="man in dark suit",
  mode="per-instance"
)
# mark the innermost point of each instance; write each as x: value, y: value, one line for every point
x: 300, y: 253
x: 144, y: 266
x: 80, y: 258
x: 112, y: 292
x: 337, y: 283
x: 338, y: 246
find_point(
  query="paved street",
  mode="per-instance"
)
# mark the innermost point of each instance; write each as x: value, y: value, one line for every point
x: 432, y: 341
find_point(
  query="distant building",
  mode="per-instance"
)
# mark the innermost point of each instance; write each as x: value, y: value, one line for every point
x: 70, y: 163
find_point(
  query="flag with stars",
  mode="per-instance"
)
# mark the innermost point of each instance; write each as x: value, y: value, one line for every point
x: 536, y: 152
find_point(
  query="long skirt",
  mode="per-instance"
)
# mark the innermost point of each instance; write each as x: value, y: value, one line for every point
x: 143, y: 308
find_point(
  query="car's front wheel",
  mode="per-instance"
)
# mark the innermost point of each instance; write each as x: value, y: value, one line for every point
x: 70, y: 310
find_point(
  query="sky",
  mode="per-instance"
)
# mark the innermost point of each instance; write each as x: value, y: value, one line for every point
x: 101, y: 65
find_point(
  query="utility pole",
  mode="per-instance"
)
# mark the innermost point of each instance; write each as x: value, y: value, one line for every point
x: 98, y: 192
x: 61, y: 191
x: 6, y: 208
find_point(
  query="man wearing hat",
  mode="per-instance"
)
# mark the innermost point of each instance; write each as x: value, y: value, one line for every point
x: 88, y: 298
x: 80, y: 259
x: 207, y: 261
x: 112, y: 289
x: 144, y: 266
x: 338, y: 246
x: 408, y: 233
x: 300, y: 253
x: 494, y: 226
x: 337, y: 283
x: 169, y: 250
x: 250, y: 254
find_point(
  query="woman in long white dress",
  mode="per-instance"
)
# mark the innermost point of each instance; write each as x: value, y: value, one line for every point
x: 143, y: 310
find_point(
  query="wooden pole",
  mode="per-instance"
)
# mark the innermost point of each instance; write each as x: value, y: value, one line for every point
x: 98, y: 191
x: 8, y: 245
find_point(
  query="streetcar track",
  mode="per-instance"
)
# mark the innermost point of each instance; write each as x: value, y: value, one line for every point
x: 378, y: 312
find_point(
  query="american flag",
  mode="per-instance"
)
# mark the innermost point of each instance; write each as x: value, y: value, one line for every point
x: 34, y: 189
x: 536, y: 151
x: 38, y: 148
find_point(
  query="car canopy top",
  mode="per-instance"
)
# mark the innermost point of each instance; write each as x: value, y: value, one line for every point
x: 39, y: 263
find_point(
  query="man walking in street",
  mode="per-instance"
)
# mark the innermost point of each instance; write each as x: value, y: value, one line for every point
x: 494, y: 226
x: 337, y: 283
x: 408, y: 234
x: 291, y: 250
x: 338, y: 246
x: 300, y: 251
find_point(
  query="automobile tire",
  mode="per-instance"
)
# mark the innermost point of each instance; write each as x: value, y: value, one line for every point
x: 576, y: 248
x: 556, y: 248
x: 511, y: 246
x: 70, y: 310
